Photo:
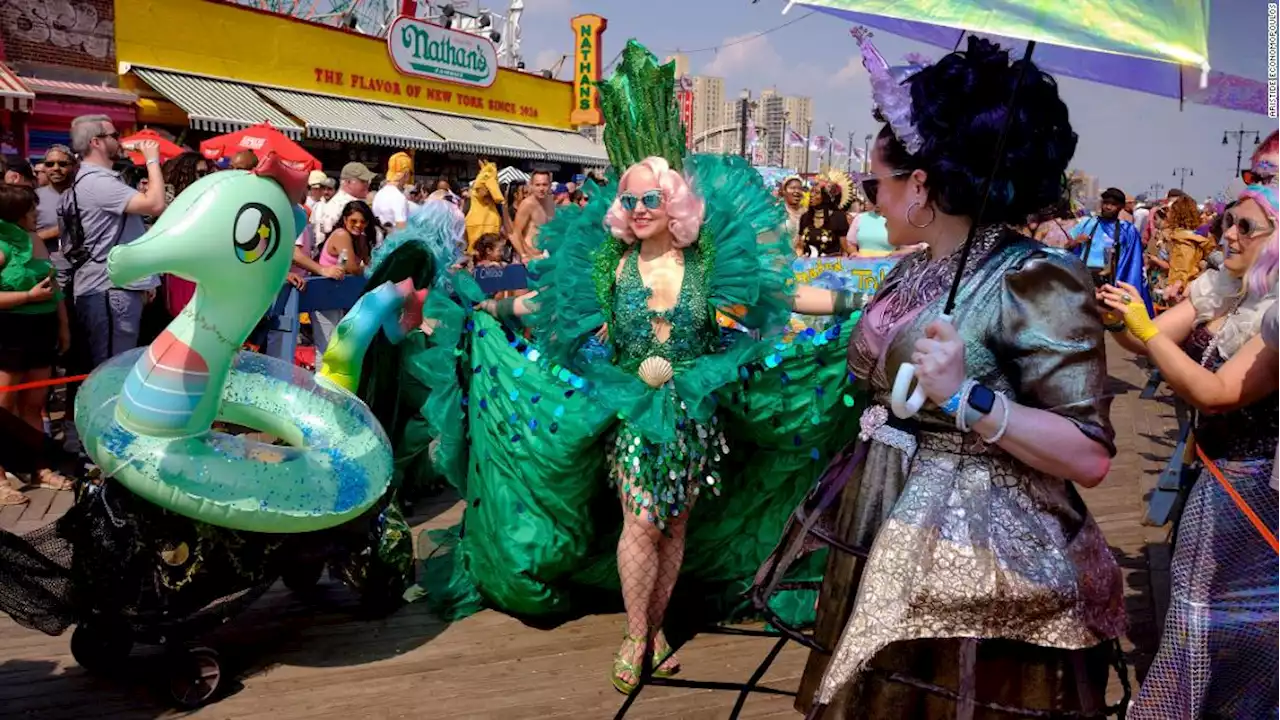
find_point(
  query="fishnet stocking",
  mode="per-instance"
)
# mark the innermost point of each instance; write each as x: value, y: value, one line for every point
x: 648, y: 566
x: 670, y: 558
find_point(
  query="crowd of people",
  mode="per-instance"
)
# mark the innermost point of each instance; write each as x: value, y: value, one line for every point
x: 60, y: 217
x: 833, y: 217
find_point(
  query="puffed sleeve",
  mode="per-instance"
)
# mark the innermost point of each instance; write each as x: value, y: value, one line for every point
x: 1270, y: 329
x: 1053, y: 343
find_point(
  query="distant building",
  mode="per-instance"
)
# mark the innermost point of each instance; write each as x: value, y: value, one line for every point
x: 708, y: 114
x: 682, y: 64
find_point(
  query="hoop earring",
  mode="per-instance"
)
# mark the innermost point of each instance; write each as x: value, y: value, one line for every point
x: 933, y: 215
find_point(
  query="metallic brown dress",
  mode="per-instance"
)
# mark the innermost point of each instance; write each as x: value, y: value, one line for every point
x: 985, y: 577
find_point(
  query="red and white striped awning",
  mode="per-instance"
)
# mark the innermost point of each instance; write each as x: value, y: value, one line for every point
x: 15, y: 94
x: 81, y: 91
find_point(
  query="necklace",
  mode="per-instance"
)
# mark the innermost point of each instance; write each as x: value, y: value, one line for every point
x: 1211, y: 349
x: 923, y: 279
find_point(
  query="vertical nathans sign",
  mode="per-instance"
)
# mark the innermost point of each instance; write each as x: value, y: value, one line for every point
x: 684, y: 99
x: 427, y: 50
x: 587, y: 30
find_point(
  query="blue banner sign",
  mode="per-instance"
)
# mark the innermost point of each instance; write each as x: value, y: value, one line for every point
x: 856, y: 274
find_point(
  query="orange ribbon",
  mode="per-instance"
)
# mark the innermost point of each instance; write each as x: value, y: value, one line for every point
x: 44, y: 383
x: 1260, y: 526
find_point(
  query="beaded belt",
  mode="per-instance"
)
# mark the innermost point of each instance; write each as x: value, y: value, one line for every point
x: 878, y: 425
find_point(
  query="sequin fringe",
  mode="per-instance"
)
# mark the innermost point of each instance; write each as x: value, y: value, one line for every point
x: 659, y: 481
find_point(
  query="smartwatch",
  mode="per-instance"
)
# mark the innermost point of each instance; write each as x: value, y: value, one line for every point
x: 982, y: 400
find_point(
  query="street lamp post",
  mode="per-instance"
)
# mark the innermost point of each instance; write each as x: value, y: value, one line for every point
x: 808, y: 143
x: 1181, y: 173
x: 866, y: 152
x: 742, y: 129
x: 831, y: 142
x: 1240, y: 136
x: 849, y: 161
x: 786, y: 137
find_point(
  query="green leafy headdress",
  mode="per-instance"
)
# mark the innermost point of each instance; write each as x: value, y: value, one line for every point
x: 640, y: 112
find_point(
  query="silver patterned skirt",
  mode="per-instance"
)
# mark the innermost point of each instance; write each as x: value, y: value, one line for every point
x: 966, y: 543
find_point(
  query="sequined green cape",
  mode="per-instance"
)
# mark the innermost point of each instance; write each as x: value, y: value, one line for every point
x: 520, y: 426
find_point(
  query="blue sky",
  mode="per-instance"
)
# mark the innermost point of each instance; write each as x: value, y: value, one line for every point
x: 1128, y: 139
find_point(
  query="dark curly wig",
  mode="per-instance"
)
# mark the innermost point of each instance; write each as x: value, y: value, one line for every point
x: 959, y: 106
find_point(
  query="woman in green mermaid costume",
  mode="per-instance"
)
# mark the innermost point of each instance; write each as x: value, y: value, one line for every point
x: 630, y: 382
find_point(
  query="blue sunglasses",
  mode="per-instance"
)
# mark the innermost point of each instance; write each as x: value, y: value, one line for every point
x: 652, y: 199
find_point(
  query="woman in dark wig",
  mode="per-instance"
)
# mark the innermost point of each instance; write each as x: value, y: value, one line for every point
x: 987, y: 578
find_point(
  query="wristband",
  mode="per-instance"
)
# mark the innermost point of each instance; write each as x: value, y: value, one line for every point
x: 952, y: 405
x: 1142, y: 327
x: 846, y: 302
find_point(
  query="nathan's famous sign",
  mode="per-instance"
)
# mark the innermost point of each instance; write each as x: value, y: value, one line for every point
x: 428, y: 50
x: 587, y: 30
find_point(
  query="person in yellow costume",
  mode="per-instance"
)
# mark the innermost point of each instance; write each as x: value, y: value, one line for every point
x: 484, y: 217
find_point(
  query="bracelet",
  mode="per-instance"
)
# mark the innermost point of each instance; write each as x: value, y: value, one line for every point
x: 952, y: 405
x: 961, y: 424
x: 1004, y: 422
x: 846, y: 302
x: 1116, y: 328
x: 505, y: 309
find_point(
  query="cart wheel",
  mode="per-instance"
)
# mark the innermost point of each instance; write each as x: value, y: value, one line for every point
x: 303, y: 576
x: 99, y: 648
x: 194, y: 678
x: 382, y: 591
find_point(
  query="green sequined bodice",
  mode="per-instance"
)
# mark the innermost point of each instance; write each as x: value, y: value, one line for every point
x: 693, y: 328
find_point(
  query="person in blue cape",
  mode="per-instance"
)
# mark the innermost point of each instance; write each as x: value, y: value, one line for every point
x: 1111, y: 247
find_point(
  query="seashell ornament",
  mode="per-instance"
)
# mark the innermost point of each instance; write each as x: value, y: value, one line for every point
x: 175, y: 555
x: 656, y: 371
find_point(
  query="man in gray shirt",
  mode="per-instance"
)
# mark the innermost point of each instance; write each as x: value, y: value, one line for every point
x: 60, y: 170
x: 98, y: 212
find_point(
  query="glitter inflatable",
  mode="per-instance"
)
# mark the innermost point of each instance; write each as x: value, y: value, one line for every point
x: 148, y: 416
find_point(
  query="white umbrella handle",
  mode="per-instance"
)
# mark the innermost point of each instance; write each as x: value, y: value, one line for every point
x: 906, y: 401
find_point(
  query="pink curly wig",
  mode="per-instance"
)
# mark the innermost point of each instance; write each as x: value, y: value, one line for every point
x: 684, y: 208
x: 1262, y: 275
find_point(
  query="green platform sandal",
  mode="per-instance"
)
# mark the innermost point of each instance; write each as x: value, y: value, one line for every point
x: 621, y: 666
x: 664, y: 661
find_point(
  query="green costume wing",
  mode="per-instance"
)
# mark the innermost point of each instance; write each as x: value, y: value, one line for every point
x: 750, y: 260
x: 575, y: 281
x: 540, y: 525
x: 530, y: 449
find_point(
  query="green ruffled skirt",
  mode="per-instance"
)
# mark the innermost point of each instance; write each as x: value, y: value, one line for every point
x: 526, y: 443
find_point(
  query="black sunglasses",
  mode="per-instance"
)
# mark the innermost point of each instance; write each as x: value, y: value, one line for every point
x: 871, y: 183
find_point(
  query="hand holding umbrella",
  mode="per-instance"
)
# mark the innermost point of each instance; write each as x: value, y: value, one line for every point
x: 933, y: 352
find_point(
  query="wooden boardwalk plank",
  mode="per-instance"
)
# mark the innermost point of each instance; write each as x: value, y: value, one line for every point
x: 311, y: 659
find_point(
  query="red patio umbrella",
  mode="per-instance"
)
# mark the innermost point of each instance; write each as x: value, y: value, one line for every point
x: 168, y: 148
x: 261, y: 139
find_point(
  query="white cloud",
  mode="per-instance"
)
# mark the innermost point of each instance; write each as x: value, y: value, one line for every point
x: 545, y: 59
x: 851, y: 71
x: 750, y: 54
